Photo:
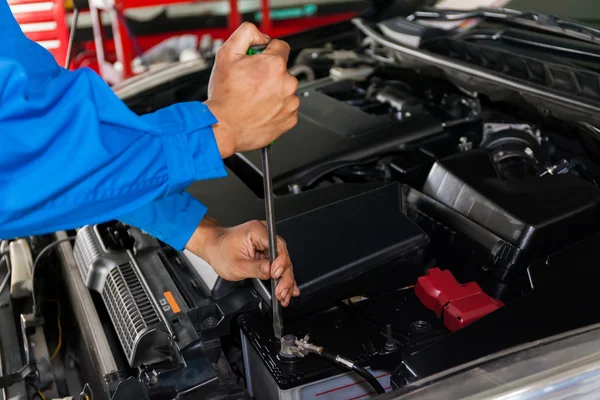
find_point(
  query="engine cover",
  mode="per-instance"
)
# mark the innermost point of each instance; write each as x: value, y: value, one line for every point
x: 331, y: 133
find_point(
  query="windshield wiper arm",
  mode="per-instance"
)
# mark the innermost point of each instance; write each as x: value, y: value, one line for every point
x: 546, y: 22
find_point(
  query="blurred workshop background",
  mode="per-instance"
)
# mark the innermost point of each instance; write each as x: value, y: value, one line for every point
x: 123, y: 38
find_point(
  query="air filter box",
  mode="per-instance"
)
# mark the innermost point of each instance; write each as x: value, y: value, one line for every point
x: 519, y: 221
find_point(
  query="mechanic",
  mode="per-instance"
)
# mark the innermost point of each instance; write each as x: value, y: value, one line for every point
x: 73, y: 154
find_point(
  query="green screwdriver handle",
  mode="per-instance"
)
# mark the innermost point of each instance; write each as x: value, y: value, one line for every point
x: 257, y: 49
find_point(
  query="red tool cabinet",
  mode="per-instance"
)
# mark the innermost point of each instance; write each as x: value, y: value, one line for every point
x: 46, y: 22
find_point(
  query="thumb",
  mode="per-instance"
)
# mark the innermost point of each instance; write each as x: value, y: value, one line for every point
x: 245, y: 36
x: 261, y: 269
x: 250, y: 269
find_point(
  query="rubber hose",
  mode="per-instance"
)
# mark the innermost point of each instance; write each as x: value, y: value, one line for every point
x: 329, y: 356
x: 363, y: 373
x: 369, y: 378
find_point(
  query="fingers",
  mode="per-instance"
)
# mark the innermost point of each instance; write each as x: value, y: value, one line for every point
x: 245, y: 36
x: 278, y: 48
x: 292, y: 105
x: 282, y: 266
x: 258, y: 235
x: 290, y: 85
x: 287, y: 288
x: 282, y: 262
x: 282, y: 270
x: 260, y: 269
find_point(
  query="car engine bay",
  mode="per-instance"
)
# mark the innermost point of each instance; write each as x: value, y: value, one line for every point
x: 429, y: 224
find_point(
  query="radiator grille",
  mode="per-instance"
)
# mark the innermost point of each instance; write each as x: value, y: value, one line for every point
x: 129, y: 306
x: 87, y: 250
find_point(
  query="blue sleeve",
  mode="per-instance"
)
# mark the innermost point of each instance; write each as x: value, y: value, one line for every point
x: 74, y: 154
x: 171, y: 219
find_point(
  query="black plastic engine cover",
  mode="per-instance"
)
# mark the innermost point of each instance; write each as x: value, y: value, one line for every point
x: 331, y: 134
x: 363, y: 244
x: 336, y: 235
x: 231, y: 201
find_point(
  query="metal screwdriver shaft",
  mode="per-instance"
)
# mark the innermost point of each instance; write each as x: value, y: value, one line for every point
x: 270, y: 214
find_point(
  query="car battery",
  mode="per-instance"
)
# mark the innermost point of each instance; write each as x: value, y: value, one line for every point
x: 354, y: 329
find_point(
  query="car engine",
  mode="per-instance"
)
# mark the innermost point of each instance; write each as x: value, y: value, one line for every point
x: 429, y: 225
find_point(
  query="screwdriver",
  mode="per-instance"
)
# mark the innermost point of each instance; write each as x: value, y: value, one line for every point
x: 270, y: 214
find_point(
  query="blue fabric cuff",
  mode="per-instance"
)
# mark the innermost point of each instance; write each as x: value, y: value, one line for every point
x: 172, y: 219
x: 191, y: 151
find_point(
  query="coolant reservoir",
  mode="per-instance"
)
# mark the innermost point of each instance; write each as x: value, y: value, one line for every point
x: 21, y: 261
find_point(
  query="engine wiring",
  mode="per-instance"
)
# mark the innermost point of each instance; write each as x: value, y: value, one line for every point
x: 37, y: 392
x: 28, y: 369
x: 45, y: 250
x: 41, y: 395
x: 59, y: 327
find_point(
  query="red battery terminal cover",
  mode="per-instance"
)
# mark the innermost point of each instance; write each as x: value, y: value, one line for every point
x: 457, y: 304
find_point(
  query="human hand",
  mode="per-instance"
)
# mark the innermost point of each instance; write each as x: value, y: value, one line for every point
x: 243, y: 252
x: 253, y: 97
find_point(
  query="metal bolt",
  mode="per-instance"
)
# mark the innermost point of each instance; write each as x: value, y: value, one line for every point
x: 210, y: 322
x: 294, y: 188
x: 390, y: 345
x: 464, y: 144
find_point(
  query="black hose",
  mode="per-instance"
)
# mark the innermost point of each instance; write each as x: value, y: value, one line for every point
x: 329, y: 356
x: 351, y: 365
x: 369, y: 378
